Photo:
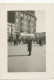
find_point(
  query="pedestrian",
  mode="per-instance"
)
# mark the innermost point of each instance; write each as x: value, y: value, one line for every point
x: 14, y: 40
x: 19, y: 40
x: 29, y: 42
x: 40, y: 42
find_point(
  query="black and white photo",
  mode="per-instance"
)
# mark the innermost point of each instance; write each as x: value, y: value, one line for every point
x: 26, y: 31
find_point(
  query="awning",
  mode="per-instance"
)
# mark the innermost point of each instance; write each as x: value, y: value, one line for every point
x: 31, y: 35
x: 23, y: 34
x: 27, y: 35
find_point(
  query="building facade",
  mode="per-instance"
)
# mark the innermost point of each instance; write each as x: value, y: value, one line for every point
x: 22, y: 22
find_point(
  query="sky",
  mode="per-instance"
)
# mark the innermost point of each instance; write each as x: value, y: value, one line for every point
x: 40, y: 22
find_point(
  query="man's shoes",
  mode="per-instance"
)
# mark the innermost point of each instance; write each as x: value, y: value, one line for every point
x: 29, y: 54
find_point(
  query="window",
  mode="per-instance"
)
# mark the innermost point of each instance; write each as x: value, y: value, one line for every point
x: 31, y: 29
x: 17, y: 20
x: 25, y: 23
x: 21, y: 14
x: 32, y: 19
x: 25, y: 16
x: 21, y: 24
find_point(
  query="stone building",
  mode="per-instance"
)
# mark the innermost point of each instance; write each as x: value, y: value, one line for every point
x: 21, y: 23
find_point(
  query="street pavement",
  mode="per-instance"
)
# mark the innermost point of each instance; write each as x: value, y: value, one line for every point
x: 18, y: 61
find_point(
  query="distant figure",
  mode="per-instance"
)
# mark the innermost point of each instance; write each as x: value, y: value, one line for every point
x: 19, y: 40
x: 14, y: 40
x: 29, y: 42
x: 40, y: 42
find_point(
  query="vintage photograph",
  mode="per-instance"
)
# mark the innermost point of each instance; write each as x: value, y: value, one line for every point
x: 26, y: 38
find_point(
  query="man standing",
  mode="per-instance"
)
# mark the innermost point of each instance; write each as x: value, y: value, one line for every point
x: 29, y: 45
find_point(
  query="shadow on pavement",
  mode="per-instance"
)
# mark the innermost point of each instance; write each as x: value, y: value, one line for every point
x: 16, y: 55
